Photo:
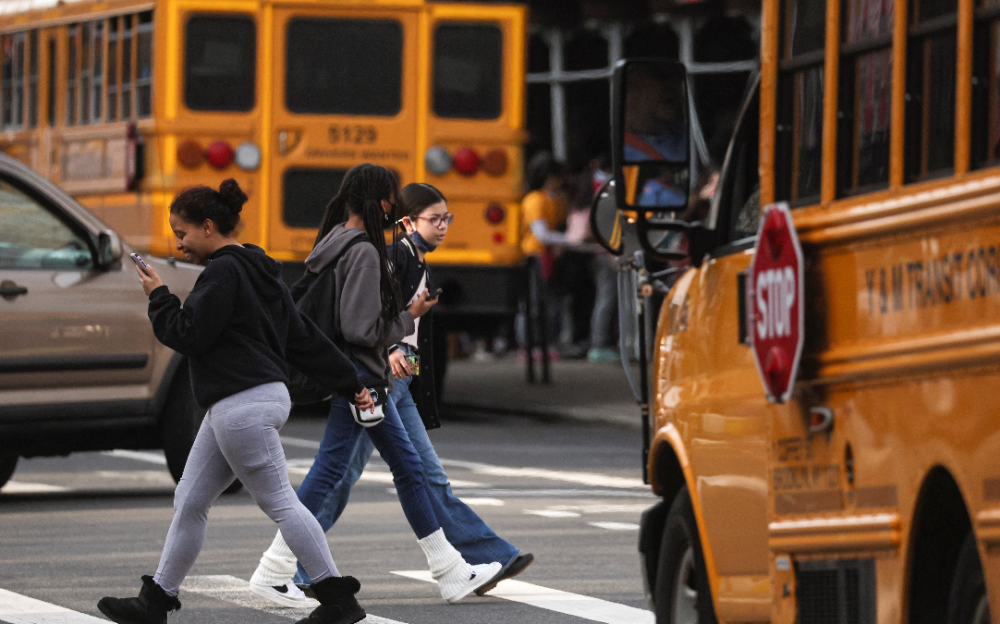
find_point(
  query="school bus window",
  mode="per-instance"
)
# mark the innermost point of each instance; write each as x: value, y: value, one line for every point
x: 126, y: 48
x: 344, y: 67
x: 12, y: 82
x: 306, y: 193
x: 53, y: 76
x: 468, y: 71
x: 92, y: 72
x: 220, y: 63
x: 931, y: 51
x: 71, y: 72
x: 739, y: 188
x: 114, y: 77
x: 865, y: 103
x: 33, y: 79
x: 799, y: 130
x: 985, y: 143
x: 144, y: 71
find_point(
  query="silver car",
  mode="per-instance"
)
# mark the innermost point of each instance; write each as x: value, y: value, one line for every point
x: 80, y: 369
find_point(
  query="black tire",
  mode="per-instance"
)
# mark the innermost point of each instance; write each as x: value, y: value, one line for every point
x: 967, y: 603
x: 8, y: 464
x: 682, y: 595
x: 179, y: 425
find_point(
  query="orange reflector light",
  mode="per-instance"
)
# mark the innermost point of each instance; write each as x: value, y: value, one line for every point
x: 495, y: 213
x: 466, y: 161
x: 495, y: 162
x: 219, y: 154
x: 190, y: 154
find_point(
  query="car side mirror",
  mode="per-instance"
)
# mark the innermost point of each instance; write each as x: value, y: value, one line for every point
x: 109, y: 249
x: 651, y: 139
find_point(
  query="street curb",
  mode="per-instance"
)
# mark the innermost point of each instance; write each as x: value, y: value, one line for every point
x: 596, y: 417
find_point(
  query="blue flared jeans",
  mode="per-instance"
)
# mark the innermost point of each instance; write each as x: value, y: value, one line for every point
x: 463, y: 528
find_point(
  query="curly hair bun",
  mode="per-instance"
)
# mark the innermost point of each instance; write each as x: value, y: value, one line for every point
x: 232, y: 195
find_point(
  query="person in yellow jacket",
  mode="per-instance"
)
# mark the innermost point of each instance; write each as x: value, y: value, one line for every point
x: 542, y: 209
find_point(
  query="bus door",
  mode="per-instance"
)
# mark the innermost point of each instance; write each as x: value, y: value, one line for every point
x: 471, y: 149
x: 343, y: 94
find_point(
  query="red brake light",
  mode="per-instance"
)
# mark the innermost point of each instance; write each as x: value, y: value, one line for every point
x: 190, y: 154
x: 495, y: 214
x: 466, y: 161
x: 495, y: 162
x: 219, y: 154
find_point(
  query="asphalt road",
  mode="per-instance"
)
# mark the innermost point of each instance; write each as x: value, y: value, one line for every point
x: 78, y: 528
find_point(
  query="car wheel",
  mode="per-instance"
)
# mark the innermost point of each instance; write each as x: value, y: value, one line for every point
x: 179, y: 425
x: 682, y: 595
x: 967, y: 603
x: 8, y: 463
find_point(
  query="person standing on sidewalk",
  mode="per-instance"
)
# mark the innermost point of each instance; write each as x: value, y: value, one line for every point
x: 349, y: 271
x: 238, y: 327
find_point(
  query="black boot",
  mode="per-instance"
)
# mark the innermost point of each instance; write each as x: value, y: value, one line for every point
x: 337, y: 604
x: 150, y: 607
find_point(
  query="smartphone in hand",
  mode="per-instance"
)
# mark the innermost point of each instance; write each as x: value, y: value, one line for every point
x: 435, y: 294
x: 137, y: 259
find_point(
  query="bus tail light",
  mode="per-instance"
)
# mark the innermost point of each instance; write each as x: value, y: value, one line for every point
x: 219, y: 154
x: 437, y: 160
x: 495, y: 162
x: 466, y: 161
x: 247, y: 156
x: 498, y: 238
x: 190, y: 154
x: 495, y: 214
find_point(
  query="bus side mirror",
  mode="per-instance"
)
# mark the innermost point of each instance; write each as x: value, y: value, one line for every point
x: 607, y: 222
x: 651, y: 140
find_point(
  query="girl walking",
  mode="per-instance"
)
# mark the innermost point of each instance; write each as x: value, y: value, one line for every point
x: 426, y: 222
x: 238, y: 327
x: 349, y: 268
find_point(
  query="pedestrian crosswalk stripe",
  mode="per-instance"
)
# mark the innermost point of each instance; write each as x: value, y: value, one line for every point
x: 146, y: 456
x: 18, y: 609
x: 615, y: 526
x: 20, y: 487
x: 567, y: 603
x: 237, y: 591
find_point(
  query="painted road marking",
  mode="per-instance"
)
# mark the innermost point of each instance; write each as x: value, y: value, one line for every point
x: 145, y: 456
x: 552, y: 513
x: 237, y: 591
x: 577, y: 605
x: 483, y: 502
x: 582, y: 478
x: 21, y: 487
x: 551, y: 493
x: 302, y: 466
x: 615, y: 526
x: 18, y: 609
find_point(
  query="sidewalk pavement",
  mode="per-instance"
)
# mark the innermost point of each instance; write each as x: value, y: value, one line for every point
x: 578, y: 389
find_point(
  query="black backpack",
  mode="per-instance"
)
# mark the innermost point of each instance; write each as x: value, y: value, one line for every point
x: 302, y: 389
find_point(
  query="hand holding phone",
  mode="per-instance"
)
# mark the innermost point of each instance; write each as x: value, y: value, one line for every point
x: 137, y: 259
x: 434, y: 295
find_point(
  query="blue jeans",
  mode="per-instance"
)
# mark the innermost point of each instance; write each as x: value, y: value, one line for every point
x: 322, y: 489
x: 465, y: 530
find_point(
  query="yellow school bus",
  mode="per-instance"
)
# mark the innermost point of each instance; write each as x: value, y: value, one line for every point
x: 126, y: 102
x: 873, y: 493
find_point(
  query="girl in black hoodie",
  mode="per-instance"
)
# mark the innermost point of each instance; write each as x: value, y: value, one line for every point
x: 238, y: 327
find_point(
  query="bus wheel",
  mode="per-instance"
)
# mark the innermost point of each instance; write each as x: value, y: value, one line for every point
x: 8, y: 463
x: 682, y: 593
x: 967, y: 603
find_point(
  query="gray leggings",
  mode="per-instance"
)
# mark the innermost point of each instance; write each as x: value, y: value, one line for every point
x: 239, y: 439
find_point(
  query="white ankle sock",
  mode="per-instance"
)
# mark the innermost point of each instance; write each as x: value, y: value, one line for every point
x: 447, y: 566
x: 277, y: 565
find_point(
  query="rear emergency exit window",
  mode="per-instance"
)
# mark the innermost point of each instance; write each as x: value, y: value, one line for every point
x: 468, y: 71
x: 344, y: 67
x: 306, y: 193
x: 220, y: 63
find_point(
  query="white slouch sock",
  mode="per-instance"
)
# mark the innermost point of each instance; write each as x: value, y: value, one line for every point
x: 277, y: 566
x: 447, y: 566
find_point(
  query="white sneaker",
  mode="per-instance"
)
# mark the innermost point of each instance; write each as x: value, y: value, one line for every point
x: 481, y: 575
x: 287, y: 595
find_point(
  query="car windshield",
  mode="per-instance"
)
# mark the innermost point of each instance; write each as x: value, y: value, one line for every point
x: 31, y: 237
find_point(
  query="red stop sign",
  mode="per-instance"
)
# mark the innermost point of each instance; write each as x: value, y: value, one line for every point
x: 774, y: 301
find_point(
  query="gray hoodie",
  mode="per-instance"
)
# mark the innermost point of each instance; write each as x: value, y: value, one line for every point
x: 357, y: 319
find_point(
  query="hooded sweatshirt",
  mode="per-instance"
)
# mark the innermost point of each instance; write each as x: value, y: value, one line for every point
x: 239, y: 327
x: 358, y: 298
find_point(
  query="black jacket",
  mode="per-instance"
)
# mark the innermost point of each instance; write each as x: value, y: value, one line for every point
x: 239, y: 327
x: 408, y: 269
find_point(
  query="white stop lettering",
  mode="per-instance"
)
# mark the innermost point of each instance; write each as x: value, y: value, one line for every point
x: 775, y: 290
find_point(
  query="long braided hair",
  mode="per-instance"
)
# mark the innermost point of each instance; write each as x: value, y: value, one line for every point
x: 361, y: 193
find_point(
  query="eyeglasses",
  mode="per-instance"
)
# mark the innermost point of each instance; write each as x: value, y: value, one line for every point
x: 439, y: 220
